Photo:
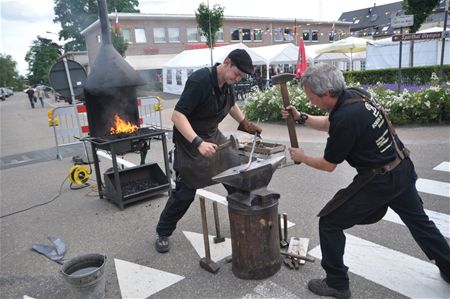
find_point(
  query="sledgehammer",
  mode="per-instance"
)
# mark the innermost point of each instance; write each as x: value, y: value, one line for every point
x: 282, y: 80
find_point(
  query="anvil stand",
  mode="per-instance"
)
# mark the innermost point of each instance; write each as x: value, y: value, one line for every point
x: 253, y: 216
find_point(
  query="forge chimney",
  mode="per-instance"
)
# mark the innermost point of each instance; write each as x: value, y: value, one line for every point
x: 110, y: 87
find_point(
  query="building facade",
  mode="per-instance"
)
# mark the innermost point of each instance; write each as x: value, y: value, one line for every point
x: 375, y: 21
x: 158, y: 37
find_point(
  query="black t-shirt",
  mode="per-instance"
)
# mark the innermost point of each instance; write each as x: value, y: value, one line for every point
x: 198, y: 89
x: 358, y: 133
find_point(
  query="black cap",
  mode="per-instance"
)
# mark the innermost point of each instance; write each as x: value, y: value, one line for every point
x: 242, y: 61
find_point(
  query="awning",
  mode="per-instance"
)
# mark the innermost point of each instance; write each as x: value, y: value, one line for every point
x: 149, y: 62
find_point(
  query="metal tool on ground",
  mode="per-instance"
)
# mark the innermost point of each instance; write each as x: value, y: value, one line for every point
x: 253, y: 212
x: 283, y: 243
x: 300, y: 257
x: 285, y: 227
x: 282, y: 80
x: 206, y: 262
x: 298, y: 246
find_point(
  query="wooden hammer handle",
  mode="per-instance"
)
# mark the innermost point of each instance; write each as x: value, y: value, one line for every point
x: 290, y: 119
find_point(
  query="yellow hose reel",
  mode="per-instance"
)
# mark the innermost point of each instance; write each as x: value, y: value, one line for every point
x: 79, y: 174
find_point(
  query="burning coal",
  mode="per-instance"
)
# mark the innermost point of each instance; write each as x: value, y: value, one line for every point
x: 122, y: 126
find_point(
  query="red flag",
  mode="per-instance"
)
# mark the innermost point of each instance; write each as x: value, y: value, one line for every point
x: 116, y: 24
x: 301, y: 60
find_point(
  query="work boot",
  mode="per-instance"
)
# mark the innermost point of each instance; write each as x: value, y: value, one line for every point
x: 320, y: 287
x: 162, y: 244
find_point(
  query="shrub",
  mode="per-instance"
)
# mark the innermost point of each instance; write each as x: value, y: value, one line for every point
x: 425, y: 106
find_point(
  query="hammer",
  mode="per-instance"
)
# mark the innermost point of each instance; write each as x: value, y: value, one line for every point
x: 233, y: 142
x: 282, y: 80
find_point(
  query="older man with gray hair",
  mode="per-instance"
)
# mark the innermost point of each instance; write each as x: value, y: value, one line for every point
x: 361, y: 134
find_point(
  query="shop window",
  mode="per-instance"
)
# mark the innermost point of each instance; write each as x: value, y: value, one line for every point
x: 192, y: 34
x: 288, y: 35
x: 126, y: 33
x: 306, y: 35
x: 235, y: 36
x: 278, y: 35
x: 219, y: 35
x: 159, y: 34
x: 315, y: 35
x: 246, y: 34
x: 139, y: 35
x: 257, y: 34
x: 174, y: 35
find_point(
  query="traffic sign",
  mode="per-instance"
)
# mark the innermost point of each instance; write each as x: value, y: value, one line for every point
x: 417, y: 36
x: 402, y: 21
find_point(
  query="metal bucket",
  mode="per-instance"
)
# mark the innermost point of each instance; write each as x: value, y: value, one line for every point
x: 84, y: 275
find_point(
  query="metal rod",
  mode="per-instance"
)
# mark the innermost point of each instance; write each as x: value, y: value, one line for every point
x: 285, y: 224
x: 399, y: 75
x: 441, y: 66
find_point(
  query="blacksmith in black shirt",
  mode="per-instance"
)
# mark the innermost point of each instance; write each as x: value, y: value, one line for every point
x: 361, y: 134
x: 206, y: 100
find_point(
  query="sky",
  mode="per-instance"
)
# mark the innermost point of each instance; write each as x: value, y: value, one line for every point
x: 21, y: 21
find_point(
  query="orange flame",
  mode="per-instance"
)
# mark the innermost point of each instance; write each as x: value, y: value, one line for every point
x: 122, y: 126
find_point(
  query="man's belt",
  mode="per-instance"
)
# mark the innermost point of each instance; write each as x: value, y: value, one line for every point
x: 391, y: 165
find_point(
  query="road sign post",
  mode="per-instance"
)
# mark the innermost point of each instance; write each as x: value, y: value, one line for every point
x: 400, y: 22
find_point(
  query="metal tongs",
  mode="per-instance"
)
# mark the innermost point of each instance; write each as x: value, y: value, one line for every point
x: 247, y: 166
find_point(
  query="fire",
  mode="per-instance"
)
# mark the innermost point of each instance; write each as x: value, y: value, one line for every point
x: 122, y: 126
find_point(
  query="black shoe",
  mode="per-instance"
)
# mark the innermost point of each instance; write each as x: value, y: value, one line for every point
x: 320, y: 287
x: 162, y: 244
x: 444, y: 276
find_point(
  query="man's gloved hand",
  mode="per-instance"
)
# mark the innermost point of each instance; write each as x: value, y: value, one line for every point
x: 249, y: 127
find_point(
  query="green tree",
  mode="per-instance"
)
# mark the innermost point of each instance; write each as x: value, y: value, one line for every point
x: 119, y: 43
x: 8, y: 73
x: 209, y: 21
x: 420, y: 9
x: 42, y: 55
x: 76, y: 15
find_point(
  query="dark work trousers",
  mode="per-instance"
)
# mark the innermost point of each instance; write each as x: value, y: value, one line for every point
x: 176, y: 206
x: 397, y: 190
x: 31, y: 98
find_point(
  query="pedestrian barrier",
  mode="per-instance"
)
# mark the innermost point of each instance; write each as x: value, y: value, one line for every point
x: 68, y: 131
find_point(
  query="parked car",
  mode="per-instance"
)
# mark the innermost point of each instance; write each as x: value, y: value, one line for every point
x: 5, y: 93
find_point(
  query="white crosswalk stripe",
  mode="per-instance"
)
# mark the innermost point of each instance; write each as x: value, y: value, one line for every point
x: 397, y: 271
x: 433, y: 187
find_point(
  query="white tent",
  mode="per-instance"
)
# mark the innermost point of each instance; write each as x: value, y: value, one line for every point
x: 177, y: 70
x: 384, y: 53
x: 279, y: 54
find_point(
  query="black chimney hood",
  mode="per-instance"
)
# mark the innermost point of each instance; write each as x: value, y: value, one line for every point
x: 110, y: 86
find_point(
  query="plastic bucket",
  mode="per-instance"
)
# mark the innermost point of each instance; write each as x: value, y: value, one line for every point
x: 84, y: 275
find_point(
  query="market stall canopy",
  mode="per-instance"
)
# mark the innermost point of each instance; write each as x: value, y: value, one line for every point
x: 202, y: 57
x: 347, y: 45
x: 148, y: 62
x: 279, y: 54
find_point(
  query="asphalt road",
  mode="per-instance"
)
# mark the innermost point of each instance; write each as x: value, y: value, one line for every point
x: 31, y: 175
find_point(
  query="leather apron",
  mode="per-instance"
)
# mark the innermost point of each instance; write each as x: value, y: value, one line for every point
x: 193, y: 169
x: 364, y: 177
